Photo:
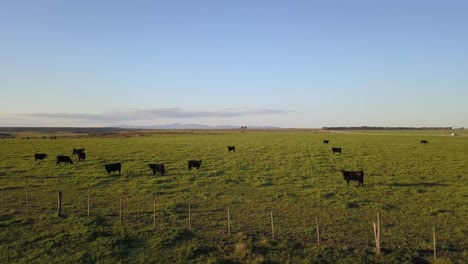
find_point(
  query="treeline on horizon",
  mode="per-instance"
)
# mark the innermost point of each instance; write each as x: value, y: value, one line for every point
x: 386, y: 128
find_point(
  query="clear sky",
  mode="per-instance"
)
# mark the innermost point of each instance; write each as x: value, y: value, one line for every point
x: 233, y: 62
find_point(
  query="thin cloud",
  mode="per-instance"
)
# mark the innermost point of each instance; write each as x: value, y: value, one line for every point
x: 154, y: 114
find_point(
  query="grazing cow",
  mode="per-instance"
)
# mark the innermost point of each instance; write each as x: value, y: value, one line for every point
x: 353, y: 176
x: 65, y: 159
x: 194, y: 163
x: 81, y: 156
x: 113, y: 167
x: 157, y: 168
x: 231, y: 148
x: 336, y: 150
x: 77, y: 151
x: 39, y: 156
x: 326, y: 141
x: 424, y: 141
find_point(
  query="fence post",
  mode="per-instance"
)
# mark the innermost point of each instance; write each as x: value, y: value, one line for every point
x: 120, y: 208
x: 380, y: 233
x: 154, y: 213
x: 59, y: 209
x: 229, y: 221
x: 377, y: 234
x: 434, y: 239
x: 318, y: 233
x: 272, y: 226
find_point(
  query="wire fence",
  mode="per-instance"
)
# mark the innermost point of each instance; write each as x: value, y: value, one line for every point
x: 278, y: 222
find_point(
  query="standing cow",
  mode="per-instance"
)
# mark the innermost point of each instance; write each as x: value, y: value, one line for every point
x: 424, y: 141
x: 65, y: 159
x: 326, y: 141
x: 157, y: 168
x: 81, y: 156
x: 231, y: 148
x: 113, y: 167
x: 336, y: 150
x: 194, y: 163
x: 353, y: 176
x: 39, y: 156
x: 77, y: 151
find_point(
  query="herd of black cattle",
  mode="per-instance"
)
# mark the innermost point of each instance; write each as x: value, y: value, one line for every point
x: 117, y: 166
x: 155, y: 168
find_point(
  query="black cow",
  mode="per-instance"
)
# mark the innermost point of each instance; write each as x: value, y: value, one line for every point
x: 65, y: 159
x: 81, y: 156
x: 336, y: 150
x: 353, y: 176
x: 77, y: 151
x: 113, y: 167
x: 231, y: 148
x: 157, y: 168
x: 424, y: 141
x: 326, y: 141
x: 194, y: 163
x: 39, y: 156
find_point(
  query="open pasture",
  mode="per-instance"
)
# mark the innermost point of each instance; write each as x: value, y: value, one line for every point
x: 289, y: 174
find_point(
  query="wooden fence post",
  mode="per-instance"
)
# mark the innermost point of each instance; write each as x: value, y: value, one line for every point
x: 434, y: 239
x: 120, y: 208
x: 229, y: 221
x: 377, y: 234
x: 379, y: 225
x: 154, y: 213
x: 318, y: 233
x: 272, y: 226
x: 59, y: 209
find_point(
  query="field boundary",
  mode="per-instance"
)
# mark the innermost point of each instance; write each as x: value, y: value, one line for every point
x: 147, y: 213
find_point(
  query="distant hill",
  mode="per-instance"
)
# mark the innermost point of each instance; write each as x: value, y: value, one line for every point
x: 8, y: 132
x: 195, y: 126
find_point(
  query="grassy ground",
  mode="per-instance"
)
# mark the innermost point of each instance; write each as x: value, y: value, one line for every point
x: 288, y: 174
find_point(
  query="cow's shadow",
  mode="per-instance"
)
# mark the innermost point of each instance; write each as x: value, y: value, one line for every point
x: 418, y: 184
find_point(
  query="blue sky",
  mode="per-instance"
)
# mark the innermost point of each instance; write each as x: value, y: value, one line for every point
x: 280, y: 63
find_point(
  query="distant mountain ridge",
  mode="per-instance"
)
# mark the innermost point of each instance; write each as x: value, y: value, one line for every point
x: 194, y: 126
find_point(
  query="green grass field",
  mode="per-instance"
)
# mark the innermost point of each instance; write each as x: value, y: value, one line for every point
x: 289, y: 174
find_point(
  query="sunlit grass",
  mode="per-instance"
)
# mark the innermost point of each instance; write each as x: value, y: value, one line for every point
x: 291, y: 174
